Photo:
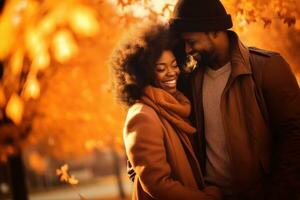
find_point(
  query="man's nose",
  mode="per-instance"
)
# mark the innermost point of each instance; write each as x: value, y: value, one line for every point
x: 188, y: 49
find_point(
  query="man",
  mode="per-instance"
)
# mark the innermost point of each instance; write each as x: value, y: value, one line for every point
x: 246, y: 104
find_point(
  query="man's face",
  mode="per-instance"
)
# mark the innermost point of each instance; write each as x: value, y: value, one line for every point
x: 200, y: 45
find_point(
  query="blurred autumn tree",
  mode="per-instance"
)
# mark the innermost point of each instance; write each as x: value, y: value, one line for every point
x: 269, y: 24
x: 55, y: 89
x: 39, y: 36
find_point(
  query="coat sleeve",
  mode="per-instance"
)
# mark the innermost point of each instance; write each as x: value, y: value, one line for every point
x: 282, y: 97
x: 144, y: 143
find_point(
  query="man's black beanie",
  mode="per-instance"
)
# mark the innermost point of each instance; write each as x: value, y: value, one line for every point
x: 200, y: 16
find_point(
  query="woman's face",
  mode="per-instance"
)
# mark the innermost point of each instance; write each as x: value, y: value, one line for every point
x: 167, y: 72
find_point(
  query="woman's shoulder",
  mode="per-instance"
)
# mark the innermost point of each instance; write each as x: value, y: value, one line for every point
x: 142, y: 119
x: 141, y: 110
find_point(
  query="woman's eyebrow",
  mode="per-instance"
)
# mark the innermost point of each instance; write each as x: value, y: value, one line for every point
x: 160, y: 63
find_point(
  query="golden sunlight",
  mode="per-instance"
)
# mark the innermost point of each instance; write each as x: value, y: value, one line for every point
x: 50, y: 31
x: 64, y: 46
x: 31, y: 88
x: 15, y: 109
x: 83, y: 21
x: 41, y: 61
x: 16, y: 62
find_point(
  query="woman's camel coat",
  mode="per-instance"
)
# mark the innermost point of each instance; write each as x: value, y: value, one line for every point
x: 158, y: 146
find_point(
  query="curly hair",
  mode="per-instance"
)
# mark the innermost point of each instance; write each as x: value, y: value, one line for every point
x: 133, y: 61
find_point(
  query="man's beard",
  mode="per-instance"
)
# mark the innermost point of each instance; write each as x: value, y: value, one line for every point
x: 204, y: 58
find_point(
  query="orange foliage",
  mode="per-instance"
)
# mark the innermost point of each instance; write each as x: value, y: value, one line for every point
x: 64, y: 175
x: 269, y: 24
x: 55, y: 52
x: 37, y: 163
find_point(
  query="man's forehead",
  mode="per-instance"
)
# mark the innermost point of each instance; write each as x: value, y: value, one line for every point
x: 190, y: 35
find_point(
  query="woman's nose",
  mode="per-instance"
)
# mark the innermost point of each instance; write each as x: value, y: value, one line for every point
x: 171, y: 72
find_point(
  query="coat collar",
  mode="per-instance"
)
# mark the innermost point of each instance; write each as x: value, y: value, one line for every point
x: 240, y: 56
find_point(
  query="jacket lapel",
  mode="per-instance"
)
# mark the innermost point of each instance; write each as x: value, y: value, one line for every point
x: 188, y: 146
x: 196, y: 81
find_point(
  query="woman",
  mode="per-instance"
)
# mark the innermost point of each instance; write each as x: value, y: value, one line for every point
x: 157, y: 131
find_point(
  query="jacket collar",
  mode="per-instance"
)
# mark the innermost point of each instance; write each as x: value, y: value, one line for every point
x: 240, y: 63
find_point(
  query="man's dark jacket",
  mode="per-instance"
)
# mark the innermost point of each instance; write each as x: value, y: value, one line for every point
x: 260, y: 107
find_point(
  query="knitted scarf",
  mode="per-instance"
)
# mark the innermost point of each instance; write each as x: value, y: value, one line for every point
x: 174, y: 108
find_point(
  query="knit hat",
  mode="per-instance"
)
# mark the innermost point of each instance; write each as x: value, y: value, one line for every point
x: 200, y: 16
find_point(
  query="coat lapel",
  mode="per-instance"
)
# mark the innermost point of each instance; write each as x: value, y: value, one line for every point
x: 196, y: 81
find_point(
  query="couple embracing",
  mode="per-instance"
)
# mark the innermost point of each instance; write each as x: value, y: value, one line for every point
x: 227, y: 129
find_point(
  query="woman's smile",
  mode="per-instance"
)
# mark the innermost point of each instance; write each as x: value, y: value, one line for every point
x: 167, y: 72
x: 171, y: 83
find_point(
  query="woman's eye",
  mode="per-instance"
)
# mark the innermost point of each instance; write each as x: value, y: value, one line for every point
x: 160, y: 68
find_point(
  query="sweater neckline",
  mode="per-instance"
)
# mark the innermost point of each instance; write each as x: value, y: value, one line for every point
x: 217, y: 73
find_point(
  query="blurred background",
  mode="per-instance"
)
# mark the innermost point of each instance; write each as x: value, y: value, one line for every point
x: 60, y: 126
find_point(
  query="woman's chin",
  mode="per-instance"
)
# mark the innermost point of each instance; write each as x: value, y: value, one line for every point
x: 172, y: 91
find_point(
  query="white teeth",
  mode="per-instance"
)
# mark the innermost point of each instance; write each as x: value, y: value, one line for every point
x: 171, y: 83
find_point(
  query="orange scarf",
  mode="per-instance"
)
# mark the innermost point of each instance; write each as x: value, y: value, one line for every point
x: 175, y: 109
